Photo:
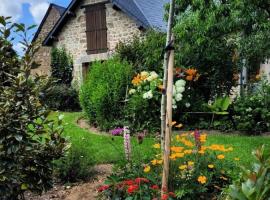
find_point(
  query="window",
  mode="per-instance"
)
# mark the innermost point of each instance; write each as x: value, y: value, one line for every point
x: 96, y: 29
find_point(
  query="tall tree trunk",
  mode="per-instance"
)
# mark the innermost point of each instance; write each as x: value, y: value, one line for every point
x: 165, y: 75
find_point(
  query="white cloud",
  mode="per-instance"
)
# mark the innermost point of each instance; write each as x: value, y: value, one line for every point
x: 37, y: 9
x: 18, y: 47
x: 9, y: 8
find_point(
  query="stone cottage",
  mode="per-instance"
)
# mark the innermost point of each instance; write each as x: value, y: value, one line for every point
x: 43, y: 56
x: 91, y: 29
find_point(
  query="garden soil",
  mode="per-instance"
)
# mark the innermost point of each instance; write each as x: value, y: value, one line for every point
x: 82, y: 191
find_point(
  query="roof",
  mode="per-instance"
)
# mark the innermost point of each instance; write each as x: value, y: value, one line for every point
x: 60, y: 10
x: 147, y: 14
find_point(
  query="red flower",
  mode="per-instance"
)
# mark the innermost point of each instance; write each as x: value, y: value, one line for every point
x: 171, y: 194
x: 141, y: 180
x: 165, y: 197
x: 132, y: 188
x: 102, y: 188
x: 128, y: 182
x: 154, y: 187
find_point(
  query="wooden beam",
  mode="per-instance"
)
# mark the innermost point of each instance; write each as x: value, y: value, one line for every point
x: 168, y: 130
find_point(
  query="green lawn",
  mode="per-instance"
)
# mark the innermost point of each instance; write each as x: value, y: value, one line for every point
x: 106, y: 149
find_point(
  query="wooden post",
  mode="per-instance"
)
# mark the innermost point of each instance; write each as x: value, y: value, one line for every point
x: 165, y: 74
x: 168, y: 130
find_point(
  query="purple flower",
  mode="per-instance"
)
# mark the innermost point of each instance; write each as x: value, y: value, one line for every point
x: 117, y: 131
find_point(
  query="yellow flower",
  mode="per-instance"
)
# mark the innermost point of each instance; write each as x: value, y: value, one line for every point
x: 154, y: 162
x: 147, y: 169
x: 203, y: 137
x: 190, y: 163
x: 220, y: 157
x: 177, y: 149
x: 188, y: 151
x: 173, y: 157
x: 201, y: 152
x: 159, y: 162
x: 211, y: 166
x: 237, y: 159
x: 202, y: 179
x: 183, y: 167
x: 156, y: 146
x: 179, y: 155
x: 136, y: 80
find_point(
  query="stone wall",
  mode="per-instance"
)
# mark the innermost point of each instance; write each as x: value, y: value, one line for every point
x: 73, y: 37
x: 43, y: 56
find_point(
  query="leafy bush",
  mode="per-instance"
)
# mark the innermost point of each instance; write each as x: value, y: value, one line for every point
x: 61, y: 97
x: 61, y: 66
x: 144, y: 53
x: 29, y: 141
x: 103, y: 94
x: 75, y: 166
x: 254, y: 183
x: 252, y: 112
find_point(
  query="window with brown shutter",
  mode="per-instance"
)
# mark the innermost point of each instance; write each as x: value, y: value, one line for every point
x: 96, y: 29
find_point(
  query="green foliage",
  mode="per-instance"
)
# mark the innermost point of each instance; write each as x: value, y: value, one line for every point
x: 220, y: 105
x: 254, y: 183
x: 61, y: 97
x: 252, y: 112
x: 143, y: 114
x: 75, y: 166
x: 29, y: 141
x: 144, y: 53
x: 103, y: 94
x: 61, y: 66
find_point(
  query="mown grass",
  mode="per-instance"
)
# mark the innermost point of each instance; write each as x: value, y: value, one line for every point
x: 107, y: 149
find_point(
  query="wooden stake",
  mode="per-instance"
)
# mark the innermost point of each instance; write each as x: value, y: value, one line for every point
x: 168, y: 130
x: 165, y: 74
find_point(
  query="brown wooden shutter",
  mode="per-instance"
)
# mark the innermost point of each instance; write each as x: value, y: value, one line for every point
x: 96, y: 29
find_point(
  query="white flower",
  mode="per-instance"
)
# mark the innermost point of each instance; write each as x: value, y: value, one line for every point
x: 174, y: 90
x: 187, y: 105
x: 148, y: 95
x: 144, y: 73
x: 180, y: 83
x: 153, y: 76
x: 178, y: 97
x: 132, y: 91
x: 180, y: 89
x: 174, y: 106
x: 249, y: 109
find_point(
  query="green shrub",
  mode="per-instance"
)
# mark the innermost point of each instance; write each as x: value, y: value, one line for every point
x: 144, y: 54
x: 61, y: 97
x: 253, y: 183
x: 252, y: 112
x: 75, y: 166
x: 61, y: 66
x: 29, y: 141
x: 143, y: 114
x: 103, y: 94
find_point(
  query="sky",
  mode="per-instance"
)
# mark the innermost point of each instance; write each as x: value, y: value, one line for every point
x: 28, y: 12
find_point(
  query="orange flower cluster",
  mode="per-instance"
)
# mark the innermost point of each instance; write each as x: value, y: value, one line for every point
x: 137, y: 80
x: 192, y: 74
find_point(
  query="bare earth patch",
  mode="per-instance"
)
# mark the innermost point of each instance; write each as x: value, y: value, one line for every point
x: 83, y: 191
x: 83, y: 123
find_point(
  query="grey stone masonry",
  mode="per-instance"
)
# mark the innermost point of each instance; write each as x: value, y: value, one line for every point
x: 43, y: 56
x: 120, y: 27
